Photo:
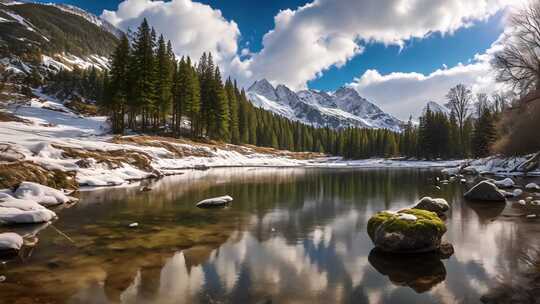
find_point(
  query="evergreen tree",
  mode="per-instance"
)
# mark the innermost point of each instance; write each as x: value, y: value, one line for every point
x: 143, y: 75
x: 484, y: 134
x: 118, y: 86
x: 163, y: 82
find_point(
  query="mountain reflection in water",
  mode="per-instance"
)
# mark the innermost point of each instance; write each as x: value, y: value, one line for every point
x: 291, y: 236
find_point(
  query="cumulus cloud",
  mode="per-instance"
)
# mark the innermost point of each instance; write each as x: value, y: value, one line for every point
x: 326, y: 33
x: 404, y: 94
x: 193, y: 27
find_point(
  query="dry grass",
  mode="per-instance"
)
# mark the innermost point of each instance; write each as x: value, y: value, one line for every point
x: 170, y: 144
x: 12, y: 174
x: 112, y: 158
x: 173, y: 145
x: 80, y: 107
x: 5, y: 117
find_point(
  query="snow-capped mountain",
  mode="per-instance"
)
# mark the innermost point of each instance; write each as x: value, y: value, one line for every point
x: 341, y: 109
x: 435, y: 107
x: 62, y: 36
x: 89, y: 17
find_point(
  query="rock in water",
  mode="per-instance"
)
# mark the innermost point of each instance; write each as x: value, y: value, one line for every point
x: 505, y: 183
x: 10, y: 241
x: 532, y: 186
x: 397, y: 232
x: 437, y: 205
x: 485, y: 191
x: 215, y: 202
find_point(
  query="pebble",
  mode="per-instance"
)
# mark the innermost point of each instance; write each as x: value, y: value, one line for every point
x: 2, y: 278
x: 522, y: 202
x: 133, y: 225
x: 530, y: 216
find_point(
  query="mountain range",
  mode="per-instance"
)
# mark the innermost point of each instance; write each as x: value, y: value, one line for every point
x: 340, y: 109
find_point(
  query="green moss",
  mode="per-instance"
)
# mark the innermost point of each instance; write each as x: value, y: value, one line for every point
x: 426, y: 222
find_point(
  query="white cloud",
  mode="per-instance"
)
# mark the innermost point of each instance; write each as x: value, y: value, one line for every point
x: 193, y: 27
x: 404, y: 94
x: 326, y: 33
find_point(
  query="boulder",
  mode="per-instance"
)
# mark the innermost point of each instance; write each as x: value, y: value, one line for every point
x: 437, y: 205
x: 215, y: 202
x: 406, y: 231
x: 485, y: 191
x: 532, y: 186
x: 505, y: 183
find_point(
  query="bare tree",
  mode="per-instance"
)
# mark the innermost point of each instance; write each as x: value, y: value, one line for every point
x: 518, y: 63
x: 459, y: 101
x: 500, y: 101
x: 482, y: 103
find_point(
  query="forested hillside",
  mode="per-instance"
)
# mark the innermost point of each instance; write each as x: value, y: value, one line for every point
x: 29, y: 30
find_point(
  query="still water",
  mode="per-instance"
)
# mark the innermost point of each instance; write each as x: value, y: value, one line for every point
x: 290, y: 236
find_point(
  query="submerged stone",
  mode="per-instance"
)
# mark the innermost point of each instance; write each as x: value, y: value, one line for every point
x: 396, y: 232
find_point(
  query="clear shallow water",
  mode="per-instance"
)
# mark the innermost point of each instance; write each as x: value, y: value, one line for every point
x: 291, y: 236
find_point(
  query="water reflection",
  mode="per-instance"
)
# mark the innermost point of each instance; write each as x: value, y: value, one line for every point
x: 292, y: 235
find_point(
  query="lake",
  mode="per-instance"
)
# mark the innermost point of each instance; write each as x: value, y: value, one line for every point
x: 290, y: 236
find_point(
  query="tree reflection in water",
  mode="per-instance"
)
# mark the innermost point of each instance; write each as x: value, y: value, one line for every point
x: 291, y: 235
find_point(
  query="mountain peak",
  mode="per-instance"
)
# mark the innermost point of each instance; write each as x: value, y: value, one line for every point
x: 436, y: 108
x: 264, y: 87
x: 344, y: 108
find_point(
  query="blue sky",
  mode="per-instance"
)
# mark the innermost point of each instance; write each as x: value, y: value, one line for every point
x: 437, y: 45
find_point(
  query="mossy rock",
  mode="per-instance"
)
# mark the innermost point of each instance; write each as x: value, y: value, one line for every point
x: 394, y: 232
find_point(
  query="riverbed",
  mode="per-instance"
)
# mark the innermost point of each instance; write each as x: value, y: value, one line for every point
x: 291, y: 235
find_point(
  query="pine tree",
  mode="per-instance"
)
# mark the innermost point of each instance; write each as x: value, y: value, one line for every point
x: 484, y: 134
x: 164, y: 82
x: 218, y: 120
x: 234, y: 131
x: 143, y: 75
x: 118, y: 85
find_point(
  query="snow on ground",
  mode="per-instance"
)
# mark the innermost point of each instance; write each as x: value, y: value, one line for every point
x: 501, y: 166
x: 53, y: 125
x: 10, y: 241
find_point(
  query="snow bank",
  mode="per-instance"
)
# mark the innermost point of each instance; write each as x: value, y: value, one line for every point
x: 7, y: 201
x: 9, y: 216
x: 10, y: 241
x: 41, y: 194
x: 500, y: 166
x: 505, y: 183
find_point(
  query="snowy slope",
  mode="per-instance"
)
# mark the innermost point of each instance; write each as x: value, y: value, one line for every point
x: 435, y: 107
x: 341, y: 109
